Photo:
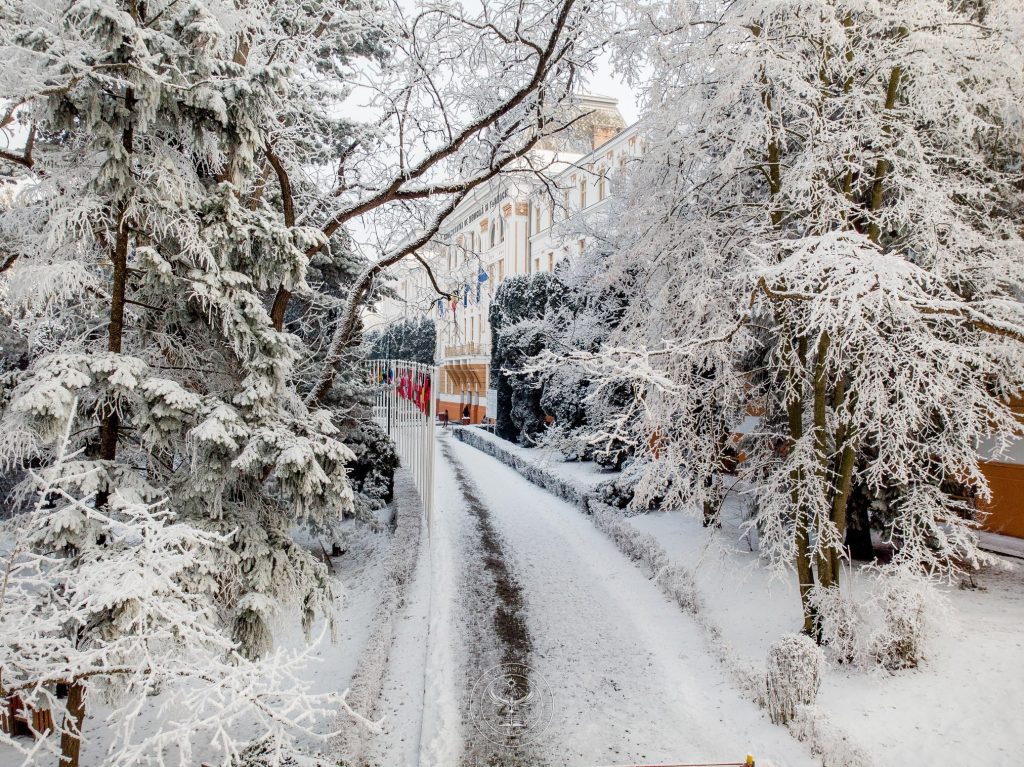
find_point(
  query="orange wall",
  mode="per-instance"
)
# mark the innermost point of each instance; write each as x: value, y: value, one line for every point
x: 1006, y: 511
x: 476, y: 412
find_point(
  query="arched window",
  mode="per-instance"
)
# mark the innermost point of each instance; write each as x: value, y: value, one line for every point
x: 501, y: 228
x: 493, y: 233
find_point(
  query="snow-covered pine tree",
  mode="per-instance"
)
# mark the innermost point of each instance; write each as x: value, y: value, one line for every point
x: 138, y: 259
x: 131, y: 603
x: 519, y: 318
x: 826, y: 232
x: 411, y: 339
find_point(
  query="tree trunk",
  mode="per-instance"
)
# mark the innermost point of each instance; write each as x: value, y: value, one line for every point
x: 115, y: 328
x: 805, y: 575
x: 825, y: 559
x: 71, y: 729
x: 882, y: 165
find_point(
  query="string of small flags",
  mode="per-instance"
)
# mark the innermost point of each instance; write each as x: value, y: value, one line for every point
x: 409, y: 385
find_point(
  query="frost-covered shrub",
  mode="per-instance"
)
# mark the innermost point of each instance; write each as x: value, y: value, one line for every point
x: 372, y: 471
x: 268, y: 753
x: 904, y: 599
x: 636, y: 488
x: 617, y: 492
x: 795, y: 666
x: 837, y: 622
x: 519, y: 330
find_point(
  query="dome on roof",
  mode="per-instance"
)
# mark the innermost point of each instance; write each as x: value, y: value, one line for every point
x: 599, y: 120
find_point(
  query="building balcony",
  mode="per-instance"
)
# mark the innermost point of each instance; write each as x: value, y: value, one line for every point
x: 475, y: 349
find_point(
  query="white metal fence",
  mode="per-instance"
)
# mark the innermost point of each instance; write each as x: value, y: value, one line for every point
x: 404, y: 407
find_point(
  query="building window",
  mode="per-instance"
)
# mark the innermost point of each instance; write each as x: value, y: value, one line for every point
x: 601, y: 186
x: 551, y: 262
x: 536, y: 264
x: 501, y: 228
x: 583, y: 244
x: 537, y: 220
x: 493, y: 233
x: 583, y: 194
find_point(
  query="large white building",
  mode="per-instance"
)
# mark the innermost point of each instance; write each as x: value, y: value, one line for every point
x: 508, y: 227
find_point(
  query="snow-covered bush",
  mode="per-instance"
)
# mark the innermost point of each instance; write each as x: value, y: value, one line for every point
x: 795, y: 668
x: 372, y: 470
x: 839, y: 626
x: 520, y: 329
x: 636, y: 488
x: 906, y: 602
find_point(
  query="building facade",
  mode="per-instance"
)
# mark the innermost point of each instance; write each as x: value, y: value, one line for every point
x: 504, y: 228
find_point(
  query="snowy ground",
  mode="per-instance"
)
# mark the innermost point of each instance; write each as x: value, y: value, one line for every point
x: 622, y: 675
x: 628, y: 675
x: 961, y: 707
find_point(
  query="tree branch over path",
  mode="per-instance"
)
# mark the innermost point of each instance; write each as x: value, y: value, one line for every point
x: 406, y: 182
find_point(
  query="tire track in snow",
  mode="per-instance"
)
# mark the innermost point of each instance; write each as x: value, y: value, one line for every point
x: 633, y: 679
x: 496, y: 628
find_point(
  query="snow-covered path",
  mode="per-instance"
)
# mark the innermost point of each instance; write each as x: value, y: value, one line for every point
x: 630, y: 678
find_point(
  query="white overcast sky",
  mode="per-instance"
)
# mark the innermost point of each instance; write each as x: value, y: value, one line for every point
x: 605, y: 83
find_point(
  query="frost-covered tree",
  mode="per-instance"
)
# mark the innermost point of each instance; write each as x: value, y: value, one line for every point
x: 825, y: 232
x: 590, y: 309
x: 132, y: 607
x: 408, y: 339
x: 519, y: 317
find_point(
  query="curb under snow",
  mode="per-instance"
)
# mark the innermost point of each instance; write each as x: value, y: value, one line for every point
x: 811, y: 725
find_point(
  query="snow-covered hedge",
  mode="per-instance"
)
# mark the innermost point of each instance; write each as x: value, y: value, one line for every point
x: 808, y: 723
x: 538, y: 476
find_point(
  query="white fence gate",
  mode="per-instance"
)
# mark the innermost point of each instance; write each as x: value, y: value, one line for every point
x: 404, y: 407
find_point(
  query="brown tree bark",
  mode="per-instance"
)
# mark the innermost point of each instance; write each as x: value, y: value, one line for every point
x: 795, y: 416
x: 826, y: 573
x: 71, y: 729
